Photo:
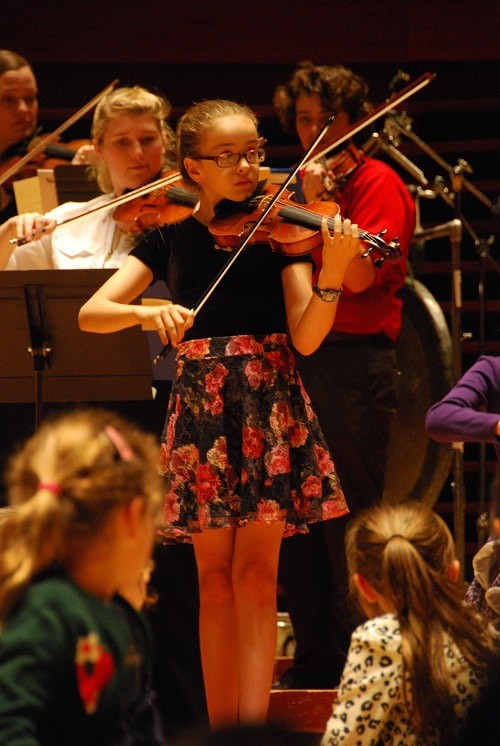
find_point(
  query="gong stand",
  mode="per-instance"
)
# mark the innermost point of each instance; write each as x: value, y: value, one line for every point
x: 398, y: 125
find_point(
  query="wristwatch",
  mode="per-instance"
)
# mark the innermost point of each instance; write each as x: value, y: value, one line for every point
x: 327, y: 294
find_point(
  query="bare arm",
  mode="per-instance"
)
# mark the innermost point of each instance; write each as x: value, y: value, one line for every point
x: 310, y: 318
x: 108, y: 310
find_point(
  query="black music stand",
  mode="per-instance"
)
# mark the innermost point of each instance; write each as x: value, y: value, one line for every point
x: 46, y: 358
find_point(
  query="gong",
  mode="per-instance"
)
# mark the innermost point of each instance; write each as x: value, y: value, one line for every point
x: 417, y: 467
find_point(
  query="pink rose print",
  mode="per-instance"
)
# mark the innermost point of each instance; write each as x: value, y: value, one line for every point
x: 184, y: 460
x: 254, y: 373
x: 277, y: 360
x: 203, y: 516
x: 268, y: 511
x: 253, y: 444
x: 334, y: 508
x: 169, y: 435
x: 311, y: 488
x: 215, y: 405
x: 171, y: 508
x: 217, y: 455
x: 243, y: 345
x: 214, y: 380
x: 277, y: 460
x: 196, y: 348
x: 323, y: 460
x: 207, y: 483
x: 280, y: 417
x: 298, y: 435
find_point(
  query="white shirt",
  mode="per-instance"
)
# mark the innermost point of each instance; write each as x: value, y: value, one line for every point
x: 86, y: 243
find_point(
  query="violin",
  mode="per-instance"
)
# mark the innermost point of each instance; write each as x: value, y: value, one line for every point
x: 339, y: 168
x: 172, y: 202
x: 163, y: 201
x: 58, y: 154
x: 289, y: 227
x: 53, y: 136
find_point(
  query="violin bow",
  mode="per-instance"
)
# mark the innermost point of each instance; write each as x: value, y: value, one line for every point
x: 116, y: 202
x: 55, y: 134
x: 379, y: 111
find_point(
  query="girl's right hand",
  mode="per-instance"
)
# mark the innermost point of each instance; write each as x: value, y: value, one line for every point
x: 30, y: 226
x: 170, y: 320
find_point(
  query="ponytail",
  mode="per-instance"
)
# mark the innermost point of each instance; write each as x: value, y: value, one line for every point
x: 405, y: 552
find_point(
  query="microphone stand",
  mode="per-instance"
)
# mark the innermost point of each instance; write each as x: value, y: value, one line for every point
x: 397, y: 125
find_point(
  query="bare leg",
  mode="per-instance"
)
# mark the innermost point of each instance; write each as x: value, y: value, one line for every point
x: 218, y: 627
x: 255, y: 569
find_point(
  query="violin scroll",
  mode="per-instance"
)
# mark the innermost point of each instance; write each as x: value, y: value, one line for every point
x: 387, y: 251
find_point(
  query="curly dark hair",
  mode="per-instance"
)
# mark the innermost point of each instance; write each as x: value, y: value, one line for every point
x: 338, y: 88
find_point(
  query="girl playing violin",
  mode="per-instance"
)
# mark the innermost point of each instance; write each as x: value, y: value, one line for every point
x: 133, y: 143
x: 244, y: 459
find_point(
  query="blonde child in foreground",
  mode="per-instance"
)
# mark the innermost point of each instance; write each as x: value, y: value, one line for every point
x: 74, y: 655
x: 416, y: 666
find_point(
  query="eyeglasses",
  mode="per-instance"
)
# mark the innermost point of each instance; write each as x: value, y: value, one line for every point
x: 228, y: 160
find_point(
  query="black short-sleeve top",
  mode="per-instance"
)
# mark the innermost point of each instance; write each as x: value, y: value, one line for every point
x: 249, y: 299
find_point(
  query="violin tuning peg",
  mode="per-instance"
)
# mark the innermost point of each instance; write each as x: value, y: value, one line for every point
x: 382, y: 233
x: 379, y: 261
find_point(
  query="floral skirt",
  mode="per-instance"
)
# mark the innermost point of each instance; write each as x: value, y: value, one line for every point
x: 241, y: 441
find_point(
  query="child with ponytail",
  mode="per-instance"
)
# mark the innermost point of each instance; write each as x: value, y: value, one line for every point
x: 415, y: 667
x: 74, y: 655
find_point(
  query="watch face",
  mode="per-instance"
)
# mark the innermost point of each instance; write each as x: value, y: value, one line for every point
x: 328, y: 294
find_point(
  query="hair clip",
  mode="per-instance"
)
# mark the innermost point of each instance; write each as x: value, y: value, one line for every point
x: 53, y: 487
x: 122, y: 446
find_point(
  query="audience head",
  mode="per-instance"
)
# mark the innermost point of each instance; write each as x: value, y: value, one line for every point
x: 67, y: 486
x: 401, y: 560
x: 405, y: 553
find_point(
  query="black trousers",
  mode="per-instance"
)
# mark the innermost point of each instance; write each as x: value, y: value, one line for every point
x: 353, y: 388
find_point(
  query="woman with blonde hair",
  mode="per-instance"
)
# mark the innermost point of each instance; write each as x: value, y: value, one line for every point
x: 133, y: 144
x: 415, y: 667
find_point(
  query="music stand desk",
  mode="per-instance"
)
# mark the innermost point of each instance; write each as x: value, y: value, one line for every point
x: 47, y: 358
